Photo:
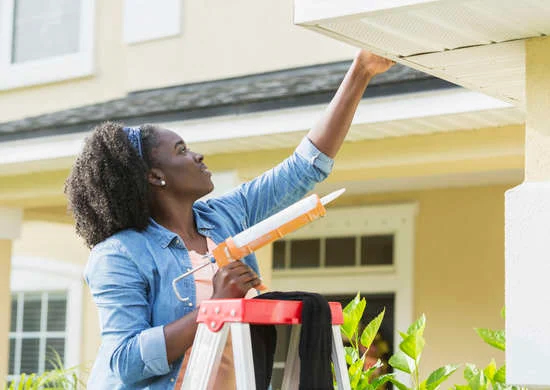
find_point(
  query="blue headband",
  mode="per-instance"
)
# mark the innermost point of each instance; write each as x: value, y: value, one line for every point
x: 134, y: 136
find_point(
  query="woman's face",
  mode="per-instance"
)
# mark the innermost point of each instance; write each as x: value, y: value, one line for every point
x: 184, y: 171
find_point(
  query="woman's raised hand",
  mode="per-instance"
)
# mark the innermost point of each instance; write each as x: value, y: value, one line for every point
x: 372, y: 63
x: 234, y: 280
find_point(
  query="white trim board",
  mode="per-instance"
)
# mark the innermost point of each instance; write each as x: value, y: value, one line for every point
x: 57, y: 152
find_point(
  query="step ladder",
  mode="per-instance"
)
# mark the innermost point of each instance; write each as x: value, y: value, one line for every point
x: 217, y: 316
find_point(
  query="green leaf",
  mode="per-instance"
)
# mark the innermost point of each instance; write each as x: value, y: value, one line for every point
x: 401, y: 362
x: 439, y: 376
x: 355, y: 371
x: 494, y: 338
x: 470, y: 371
x: 398, y: 384
x: 403, y: 335
x: 418, y: 326
x: 382, y: 379
x: 500, y: 375
x: 490, y: 371
x: 21, y: 382
x: 352, y: 315
x: 462, y: 387
x: 503, y: 313
x: 476, y: 379
x: 363, y: 383
x: 351, y: 355
x: 368, y: 335
x: 413, y: 346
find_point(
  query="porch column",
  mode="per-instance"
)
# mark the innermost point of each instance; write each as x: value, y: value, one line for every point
x: 10, y: 228
x: 528, y: 234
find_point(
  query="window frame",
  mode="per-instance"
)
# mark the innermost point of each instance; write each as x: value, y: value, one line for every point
x: 42, y: 335
x: 47, y: 70
x: 397, y: 278
x: 40, y: 275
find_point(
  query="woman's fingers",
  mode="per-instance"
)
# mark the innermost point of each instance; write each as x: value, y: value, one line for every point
x: 234, y: 280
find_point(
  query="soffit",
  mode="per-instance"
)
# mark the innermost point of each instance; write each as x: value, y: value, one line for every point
x: 478, y: 44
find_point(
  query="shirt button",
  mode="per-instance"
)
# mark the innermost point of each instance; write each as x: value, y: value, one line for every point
x: 171, y: 379
x: 190, y: 303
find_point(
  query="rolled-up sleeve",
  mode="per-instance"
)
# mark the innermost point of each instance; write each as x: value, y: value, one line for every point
x: 318, y: 159
x: 131, y: 347
x: 152, y: 347
x: 286, y: 183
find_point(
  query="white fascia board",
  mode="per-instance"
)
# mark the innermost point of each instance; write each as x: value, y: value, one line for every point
x: 386, y: 109
x: 315, y: 11
x: 32, y: 154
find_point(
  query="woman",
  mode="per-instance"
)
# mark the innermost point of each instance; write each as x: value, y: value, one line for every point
x: 134, y: 192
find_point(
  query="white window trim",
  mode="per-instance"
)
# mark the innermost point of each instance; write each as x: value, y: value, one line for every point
x: 398, y: 278
x: 51, y: 69
x: 34, y: 274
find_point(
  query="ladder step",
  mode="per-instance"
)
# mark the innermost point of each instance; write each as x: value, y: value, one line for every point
x: 216, y: 312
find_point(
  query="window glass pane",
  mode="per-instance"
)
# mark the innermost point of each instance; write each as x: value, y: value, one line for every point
x: 31, y: 312
x: 29, y: 355
x: 13, y: 318
x: 11, y: 364
x: 43, y: 29
x: 377, y: 250
x: 279, y: 254
x: 57, y: 345
x: 304, y: 253
x: 340, y: 252
x: 57, y: 312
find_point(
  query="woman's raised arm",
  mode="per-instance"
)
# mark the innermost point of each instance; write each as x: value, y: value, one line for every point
x: 329, y: 133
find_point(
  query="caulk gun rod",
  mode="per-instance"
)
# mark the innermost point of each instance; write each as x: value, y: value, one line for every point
x: 198, y: 268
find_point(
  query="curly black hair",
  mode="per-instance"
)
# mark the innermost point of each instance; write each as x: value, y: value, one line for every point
x: 107, y: 188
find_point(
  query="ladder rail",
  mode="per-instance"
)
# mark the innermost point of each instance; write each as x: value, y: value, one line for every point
x: 339, y: 360
x: 243, y: 358
x: 205, y: 355
x: 291, y: 377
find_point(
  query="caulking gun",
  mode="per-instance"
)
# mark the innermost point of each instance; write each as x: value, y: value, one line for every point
x: 270, y: 229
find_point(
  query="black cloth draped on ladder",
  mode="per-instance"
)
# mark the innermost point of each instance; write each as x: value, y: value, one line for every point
x: 315, y: 343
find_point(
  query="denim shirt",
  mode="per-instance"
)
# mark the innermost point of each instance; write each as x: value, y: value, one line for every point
x: 130, y: 273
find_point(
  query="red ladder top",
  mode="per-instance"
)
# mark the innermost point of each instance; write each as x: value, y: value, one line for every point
x: 216, y: 312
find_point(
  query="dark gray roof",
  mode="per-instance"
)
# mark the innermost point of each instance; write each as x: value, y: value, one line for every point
x: 280, y: 89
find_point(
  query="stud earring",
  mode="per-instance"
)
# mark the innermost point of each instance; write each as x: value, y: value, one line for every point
x: 162, y: 183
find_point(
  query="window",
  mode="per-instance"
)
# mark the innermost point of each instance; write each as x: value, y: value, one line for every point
x: 354, y: 249
x: 148, y: 20
x: 38, y: 328
x: 46, y: 315
x: 350, y: 251
x: 45, y: 41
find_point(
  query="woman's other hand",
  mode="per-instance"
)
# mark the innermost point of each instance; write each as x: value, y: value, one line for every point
x: 234, y: 280
x: 373, y: 64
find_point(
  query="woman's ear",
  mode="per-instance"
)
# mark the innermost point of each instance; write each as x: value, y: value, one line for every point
x: 155, y: 177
